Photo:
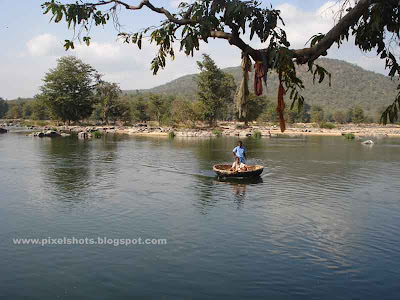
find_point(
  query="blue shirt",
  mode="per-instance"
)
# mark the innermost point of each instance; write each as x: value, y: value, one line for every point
x: 239, y: 151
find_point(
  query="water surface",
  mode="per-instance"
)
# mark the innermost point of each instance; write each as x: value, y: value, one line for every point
x: 322, y: 223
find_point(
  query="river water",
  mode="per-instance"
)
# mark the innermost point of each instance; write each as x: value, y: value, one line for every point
x: 322, y: 222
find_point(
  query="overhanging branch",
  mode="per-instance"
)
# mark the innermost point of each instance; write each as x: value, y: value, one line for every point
x: 147, y: 3
x: 342, y: 27
x: 303, y: 55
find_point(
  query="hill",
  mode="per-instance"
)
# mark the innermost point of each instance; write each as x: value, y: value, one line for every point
x: 351, y: 85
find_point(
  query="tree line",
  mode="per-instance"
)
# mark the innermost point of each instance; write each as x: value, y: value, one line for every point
x: 75, y: 92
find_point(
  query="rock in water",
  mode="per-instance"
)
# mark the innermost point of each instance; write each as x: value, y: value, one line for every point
x: 83, y: 135
x: 51, y: 133
x: 368, y: 142
x: 3, y: 130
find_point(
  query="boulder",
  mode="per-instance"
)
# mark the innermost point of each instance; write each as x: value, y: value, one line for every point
x: 368, y: 142
x: 83, y: 135
x: 3, y: 130
x: 37, y: 134
x: 51, y: 133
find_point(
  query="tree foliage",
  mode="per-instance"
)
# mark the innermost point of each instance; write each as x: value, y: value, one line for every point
x: 339, y: 116
x: 68, y: 89
x: 157, y: 107
x: 375, y: 25
x: 317, y: 114
x: 358, y: 115
x: 40, y: 110
x: 256, y: 107
x: 107, y: 97
x: 139, y: 108
x: 215, y: 89
x: 3, y: 107
x: 14, y: 111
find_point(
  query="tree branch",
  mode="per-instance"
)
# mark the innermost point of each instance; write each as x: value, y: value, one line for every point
x: 303, y: 55
x: 342, y: 27
x: 160, y: 10
x: 238, y: 42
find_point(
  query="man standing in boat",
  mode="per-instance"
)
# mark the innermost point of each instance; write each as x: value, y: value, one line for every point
x: 240, y: 152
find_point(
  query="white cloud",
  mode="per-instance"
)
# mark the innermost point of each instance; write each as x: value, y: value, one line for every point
x: 98, y: 51
x: 302, y: 25
x: 43, y: 45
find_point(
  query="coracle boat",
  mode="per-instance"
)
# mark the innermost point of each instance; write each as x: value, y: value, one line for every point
x: 225, y: 171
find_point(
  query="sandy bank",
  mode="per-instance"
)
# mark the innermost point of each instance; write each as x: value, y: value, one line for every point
x: 236, y: 129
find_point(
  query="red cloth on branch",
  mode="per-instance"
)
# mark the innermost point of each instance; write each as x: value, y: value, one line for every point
x: 281, y: 104
x: 258, y: 76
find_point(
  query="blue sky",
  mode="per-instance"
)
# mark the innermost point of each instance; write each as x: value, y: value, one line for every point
x: 31, y: 45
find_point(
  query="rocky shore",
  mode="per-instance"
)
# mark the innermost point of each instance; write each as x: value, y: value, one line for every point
x: 223, y: 129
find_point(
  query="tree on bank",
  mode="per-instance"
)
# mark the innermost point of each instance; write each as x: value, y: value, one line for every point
x: 3, y: 108
x: 339, y: 116
x: 215, y: 89
x: 40, y: 110
x: 256, y: 106
x: 139, y: 108
x: 14, y: 111
x: 68, y: 89
x: 370, y: 22
x: 317, y: 114
x: 358, y: 115
x: 108, y: 100
x: 157, y: 108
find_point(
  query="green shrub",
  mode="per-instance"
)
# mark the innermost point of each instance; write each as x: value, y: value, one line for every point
x: 96, y: 134
x: 256, y: 134
x: 217, y: 132
x: 349, y: 136
x: 171, y: 134
x: 327, y: 125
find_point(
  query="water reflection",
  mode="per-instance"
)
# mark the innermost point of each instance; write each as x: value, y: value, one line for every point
x: 238, y: 187
x: 208, y: 196
x: 72, y: 168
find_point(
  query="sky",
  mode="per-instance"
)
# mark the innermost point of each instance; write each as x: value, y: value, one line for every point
x: 30, y: 45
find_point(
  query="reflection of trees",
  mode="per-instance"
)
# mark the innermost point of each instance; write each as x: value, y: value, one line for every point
x: 208, y: 151
x: 71, y: 166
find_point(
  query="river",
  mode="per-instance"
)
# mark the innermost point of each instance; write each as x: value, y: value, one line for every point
x: 323, y: 221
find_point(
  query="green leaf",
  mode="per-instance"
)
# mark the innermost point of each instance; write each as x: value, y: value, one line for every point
x: 139, y: 42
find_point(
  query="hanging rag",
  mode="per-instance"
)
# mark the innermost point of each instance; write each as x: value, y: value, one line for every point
x: 258, y: 78
x: 264, y: 57
x: 280, y: 108
x: 243, y: 92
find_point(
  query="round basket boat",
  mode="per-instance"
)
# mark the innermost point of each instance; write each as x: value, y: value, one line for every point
x: 225, y: 171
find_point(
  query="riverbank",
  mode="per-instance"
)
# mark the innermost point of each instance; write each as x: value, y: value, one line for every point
x: 234, y: 129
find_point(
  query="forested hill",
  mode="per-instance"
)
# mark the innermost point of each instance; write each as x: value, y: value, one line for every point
x: 351, y: 85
